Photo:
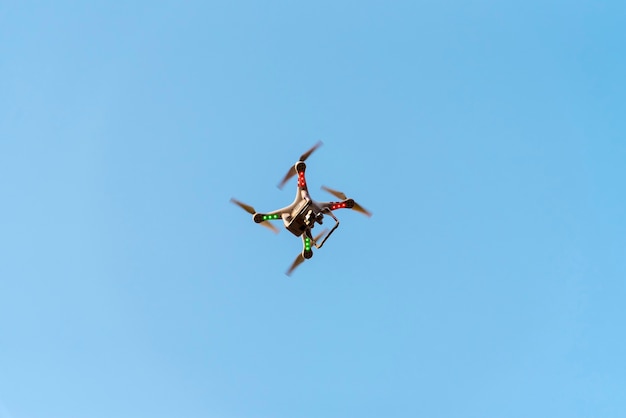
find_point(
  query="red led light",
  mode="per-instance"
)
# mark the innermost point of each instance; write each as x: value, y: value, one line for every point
x: 301, y: 181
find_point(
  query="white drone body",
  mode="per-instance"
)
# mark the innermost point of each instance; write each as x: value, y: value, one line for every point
x: 301, y: 216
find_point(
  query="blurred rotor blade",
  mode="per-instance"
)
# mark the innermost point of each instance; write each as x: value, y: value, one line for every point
x: 361, y: 209
x: 307, y: 154
x: 251, y: 211
x: 292, y: 170
x: 337, y: 194
x: 242, y: 205
x: 269, y: 225
x: 320, y: 235
x: 342, y: 196
x: 299, y: 259
x: 290, y: 174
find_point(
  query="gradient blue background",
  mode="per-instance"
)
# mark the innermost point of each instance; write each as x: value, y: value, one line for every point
x: 488, y: 138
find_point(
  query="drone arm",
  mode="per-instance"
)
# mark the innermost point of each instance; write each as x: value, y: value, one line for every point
x: 347, y: 204
x: 262, y: 217
x: 273, y: 215
x: 300, y: 170
x: 300, y: 164
x: 297, y: 170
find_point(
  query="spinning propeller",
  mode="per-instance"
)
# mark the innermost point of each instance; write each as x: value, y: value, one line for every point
x: 342, y: 196
x: 300, y: 258
x: 292, y: 170
x: 251, y: 211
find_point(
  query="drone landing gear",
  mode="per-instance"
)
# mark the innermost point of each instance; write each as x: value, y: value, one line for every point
x: 331, y: 231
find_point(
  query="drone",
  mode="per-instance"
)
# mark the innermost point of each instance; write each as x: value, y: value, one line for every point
x: 301, y: 216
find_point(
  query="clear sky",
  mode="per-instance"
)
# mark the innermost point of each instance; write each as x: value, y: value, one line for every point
x: 487, y: 137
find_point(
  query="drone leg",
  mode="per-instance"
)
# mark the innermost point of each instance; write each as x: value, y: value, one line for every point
x: 326, y: 209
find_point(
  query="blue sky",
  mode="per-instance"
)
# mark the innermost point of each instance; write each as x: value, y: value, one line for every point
x: 486, y: 137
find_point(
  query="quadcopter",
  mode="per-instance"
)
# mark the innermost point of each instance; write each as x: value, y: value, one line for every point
x: 301, y: 216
